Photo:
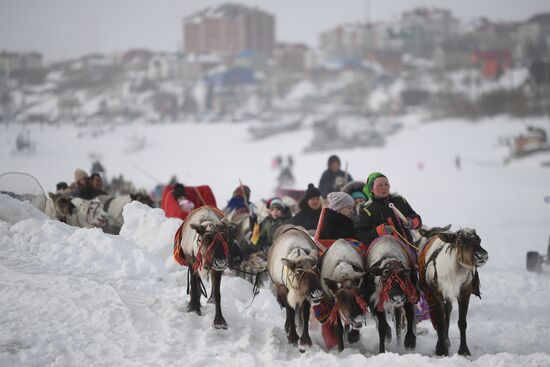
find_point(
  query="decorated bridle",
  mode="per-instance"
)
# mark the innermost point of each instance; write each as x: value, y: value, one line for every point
x: 406, y: 285
x: 296, y: 276
x: 206, y: 260
x: 333, y: 318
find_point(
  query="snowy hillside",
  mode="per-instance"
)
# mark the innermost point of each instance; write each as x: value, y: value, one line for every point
x: 73, y: 297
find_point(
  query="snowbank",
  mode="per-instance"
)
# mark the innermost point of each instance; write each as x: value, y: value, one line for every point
x: 67, y: 249
x: 13, y: 210
x: 151, y: 230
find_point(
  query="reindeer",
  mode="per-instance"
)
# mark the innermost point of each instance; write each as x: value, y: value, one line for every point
x: 423, y: 235
x: 342, y: 273
x: 59, y: 207
x: 88, y: 214
x: 448, y: 270
x: 392, y: 285
x: 76, y: 211
x: 292, y: 262
x: 207, y: 241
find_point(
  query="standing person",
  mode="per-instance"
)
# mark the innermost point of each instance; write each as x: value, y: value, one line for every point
x: 457, y: 162
x: 337, y: 221
x: 310, y: 209
x: 376, y: 218
x: 333, y: 179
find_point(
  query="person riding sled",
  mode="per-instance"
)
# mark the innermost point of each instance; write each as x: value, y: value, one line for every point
x: 310, y: 209
x: 278, y: 214
x: 240, y: 204
x: 337, y: 222
x: 388, y: 214
x: 381, y: 213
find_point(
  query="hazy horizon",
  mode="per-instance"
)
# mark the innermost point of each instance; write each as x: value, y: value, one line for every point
x: 62, y: 29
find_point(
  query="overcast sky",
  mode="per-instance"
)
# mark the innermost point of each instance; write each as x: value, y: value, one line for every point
x: 70, y: 28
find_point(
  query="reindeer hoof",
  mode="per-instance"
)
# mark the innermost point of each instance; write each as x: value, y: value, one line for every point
x: 194, y: 308
x: 303, y: 345
x: 292, y: 338
x: 353, y: 336
x: 464, y: 351
x: 441, y: 349
x: 220, y: 323
x: 410, y: 342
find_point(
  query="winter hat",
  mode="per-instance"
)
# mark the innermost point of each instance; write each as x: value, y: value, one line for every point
x: 276, y: 203
x: 367, y: 190
x: 358, y: 195
x: 79, y: 174
x: 179, y: 190
x: 61, y: 186
x: 311, y: 192
x: 338, y: 200
x: 333, y: 158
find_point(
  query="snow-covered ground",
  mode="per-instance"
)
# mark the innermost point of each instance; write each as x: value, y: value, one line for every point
x: 73, y: 297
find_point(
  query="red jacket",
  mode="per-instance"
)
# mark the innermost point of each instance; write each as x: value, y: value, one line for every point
x: 200, y: 195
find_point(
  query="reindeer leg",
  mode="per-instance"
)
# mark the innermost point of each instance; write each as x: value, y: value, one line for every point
x: 397, y: 314
x: 305, y: 340
x: 194, y: 304
x: 383, y: 330
x: 290, y: 325
x: 438, y: 318
x: 339, y: 331
x: 463, y: 303
x: 410, y: 337
x: 219, y: 321
x: 211, y: 298
x: 448, y: 309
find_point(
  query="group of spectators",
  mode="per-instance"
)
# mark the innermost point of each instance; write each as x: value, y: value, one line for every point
x: 83, y: 186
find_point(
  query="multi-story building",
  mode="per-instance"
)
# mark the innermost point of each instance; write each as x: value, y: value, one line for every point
x: 11, y: 62
x: 424, y: 28
x: 347, y: 41
x: 229, y: 29
x: 291, y: 57
x: 416, y: 32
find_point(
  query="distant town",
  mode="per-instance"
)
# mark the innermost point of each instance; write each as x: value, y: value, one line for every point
x: 232, y: 68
